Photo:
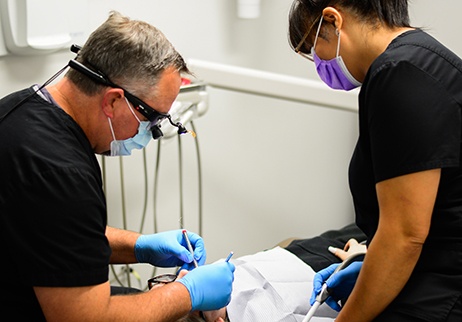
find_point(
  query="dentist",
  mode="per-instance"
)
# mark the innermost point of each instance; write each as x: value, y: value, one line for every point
x: 53, y: 215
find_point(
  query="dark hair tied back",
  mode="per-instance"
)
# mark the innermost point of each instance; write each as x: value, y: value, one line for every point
x: 391, y: 13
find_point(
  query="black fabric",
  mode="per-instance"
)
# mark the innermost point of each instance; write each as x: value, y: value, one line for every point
x: 313, y: 251
x: 434, y: 294
x: 410, y: 121
x: 52, y: 205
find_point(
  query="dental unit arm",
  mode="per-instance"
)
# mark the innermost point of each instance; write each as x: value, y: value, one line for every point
x: 191, y: 103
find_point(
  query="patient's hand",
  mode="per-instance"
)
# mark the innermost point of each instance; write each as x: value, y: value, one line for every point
x: 351, y: 247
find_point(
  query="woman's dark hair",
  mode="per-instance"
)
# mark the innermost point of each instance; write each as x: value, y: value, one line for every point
x: 303, y: 13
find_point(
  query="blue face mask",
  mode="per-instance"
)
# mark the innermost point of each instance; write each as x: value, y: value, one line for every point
x: 139, y: 141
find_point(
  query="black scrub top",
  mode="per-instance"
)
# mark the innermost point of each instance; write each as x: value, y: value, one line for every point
x: 410, y: 121
x: 52, y: 205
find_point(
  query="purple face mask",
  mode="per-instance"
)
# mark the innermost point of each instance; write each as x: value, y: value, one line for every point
x: 334, y: 72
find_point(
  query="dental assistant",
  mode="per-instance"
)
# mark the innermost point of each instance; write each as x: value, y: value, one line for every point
x: 57, y: 246
x: 405, y: 173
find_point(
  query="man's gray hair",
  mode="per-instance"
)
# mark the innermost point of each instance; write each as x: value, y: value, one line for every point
x: 131, y: 53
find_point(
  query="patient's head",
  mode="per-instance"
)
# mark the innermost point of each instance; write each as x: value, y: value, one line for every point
x: 206, y: 317
x: 192, y: 318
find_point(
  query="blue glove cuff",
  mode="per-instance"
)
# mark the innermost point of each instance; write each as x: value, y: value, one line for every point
x: 196, y: 300
x: 139, y: 250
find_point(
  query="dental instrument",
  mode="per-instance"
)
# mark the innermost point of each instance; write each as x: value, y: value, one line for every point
x: 324, y: 294
x: 191, y: 250
x: 229, y: 256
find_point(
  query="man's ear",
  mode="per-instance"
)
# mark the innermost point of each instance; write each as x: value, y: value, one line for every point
x: 110, y: 97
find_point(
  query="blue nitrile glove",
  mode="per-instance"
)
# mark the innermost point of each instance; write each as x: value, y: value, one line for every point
x: 169, y: 249
x: 339, y: 284
x: 210, y: 286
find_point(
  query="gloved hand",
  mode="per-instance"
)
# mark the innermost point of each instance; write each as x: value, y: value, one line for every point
x: 210, y: 286
x: 169, y: 249
x: 339, y: 284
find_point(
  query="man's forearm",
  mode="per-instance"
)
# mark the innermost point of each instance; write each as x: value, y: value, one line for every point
x: 122, y: 243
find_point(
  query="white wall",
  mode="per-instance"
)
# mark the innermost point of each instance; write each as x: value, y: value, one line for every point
x: 271, y: 168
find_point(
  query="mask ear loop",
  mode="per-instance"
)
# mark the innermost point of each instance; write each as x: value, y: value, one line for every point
x: 131, y: 110
x: 112, y: 130
x: 337, y: 32
x: 317, y: 33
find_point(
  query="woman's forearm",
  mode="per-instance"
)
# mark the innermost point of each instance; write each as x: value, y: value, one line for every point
x: 387, y: 267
